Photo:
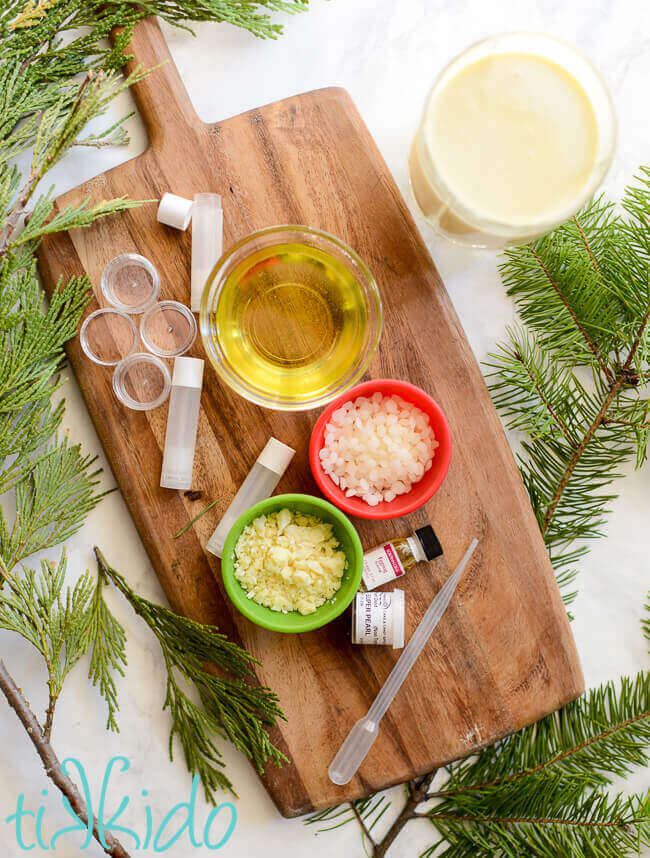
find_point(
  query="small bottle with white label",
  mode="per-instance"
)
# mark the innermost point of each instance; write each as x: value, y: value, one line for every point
x: 379, y: 619
x: 393, y: 559
x: 182, y: 423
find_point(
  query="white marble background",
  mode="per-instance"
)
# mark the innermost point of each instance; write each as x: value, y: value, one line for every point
x: 385, y: 54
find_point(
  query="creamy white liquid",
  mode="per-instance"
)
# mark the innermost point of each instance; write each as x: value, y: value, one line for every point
x: 511, y: 138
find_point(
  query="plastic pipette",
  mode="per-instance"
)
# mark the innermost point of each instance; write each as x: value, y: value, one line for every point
x: 361, y: 737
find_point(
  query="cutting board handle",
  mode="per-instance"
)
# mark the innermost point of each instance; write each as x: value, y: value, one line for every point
x: 161, y: 97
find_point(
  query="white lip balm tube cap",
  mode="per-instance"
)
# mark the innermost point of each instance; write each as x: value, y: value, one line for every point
x: 276, y: 456
x: 188, y: 372
x: 259, y: 484
x: 182, y: 424
x: 207, y: 242
x: 175, y: 211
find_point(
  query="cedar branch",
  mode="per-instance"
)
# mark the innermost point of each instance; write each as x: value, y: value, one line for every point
x: 53, y: 768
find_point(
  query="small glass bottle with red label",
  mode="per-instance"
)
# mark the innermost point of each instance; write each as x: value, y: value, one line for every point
x: 393, y: 559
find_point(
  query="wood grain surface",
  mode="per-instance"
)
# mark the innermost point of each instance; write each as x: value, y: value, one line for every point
x: 504, y: 655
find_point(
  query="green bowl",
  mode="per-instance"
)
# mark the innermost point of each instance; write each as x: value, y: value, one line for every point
x: 293, y: 622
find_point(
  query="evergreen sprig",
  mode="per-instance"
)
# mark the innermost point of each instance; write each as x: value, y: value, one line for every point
x: 107, y: 651
x: 540, y: 792
x: 549, y: 821
x: 232, y: 706
x: 572, y: 377
x: 62, y: 624
x: 52, y: 502
x: 602, y: 735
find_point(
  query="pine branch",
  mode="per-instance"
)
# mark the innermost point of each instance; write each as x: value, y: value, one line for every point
x: 602, y: 734
x: 584, y: 297
x: 598, y: 826
x: 233, y: 708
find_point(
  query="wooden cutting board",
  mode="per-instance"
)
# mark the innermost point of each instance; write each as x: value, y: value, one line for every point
x: 504, y: 655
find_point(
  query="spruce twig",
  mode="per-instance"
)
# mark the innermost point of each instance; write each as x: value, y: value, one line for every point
x: 584, y: 298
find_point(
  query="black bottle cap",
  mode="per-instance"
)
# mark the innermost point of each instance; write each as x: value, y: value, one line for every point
x: 429, y: 541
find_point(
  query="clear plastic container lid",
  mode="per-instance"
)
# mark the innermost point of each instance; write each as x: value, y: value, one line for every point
x: 131, y: 283
x: 142, y: 381
x: 168, y: 329
x: 107, y: 336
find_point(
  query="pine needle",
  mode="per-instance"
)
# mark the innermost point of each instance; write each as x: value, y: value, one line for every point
x: 195, y: 519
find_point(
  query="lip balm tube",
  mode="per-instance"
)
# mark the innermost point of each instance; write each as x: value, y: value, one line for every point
x: 207, y: 242
x: 260, y: 484
x: 182, y: 423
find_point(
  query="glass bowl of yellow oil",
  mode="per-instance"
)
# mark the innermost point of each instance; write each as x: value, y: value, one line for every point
x: 290, y: 318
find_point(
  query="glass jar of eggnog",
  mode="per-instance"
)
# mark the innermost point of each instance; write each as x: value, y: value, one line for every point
x: 517, y: 134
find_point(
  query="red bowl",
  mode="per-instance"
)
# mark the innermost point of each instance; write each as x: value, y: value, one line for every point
x: 422, y: 491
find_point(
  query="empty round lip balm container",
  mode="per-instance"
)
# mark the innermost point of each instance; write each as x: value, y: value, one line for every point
x: 107, y: 336
x: 131, y: 283
x: 141, y: 381
x: 168, y: 329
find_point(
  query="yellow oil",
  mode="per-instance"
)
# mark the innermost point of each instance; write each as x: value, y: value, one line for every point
x: 291, y: 321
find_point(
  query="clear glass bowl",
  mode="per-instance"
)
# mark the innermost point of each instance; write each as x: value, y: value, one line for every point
x: 440, y: 204
x: 214, y: 332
